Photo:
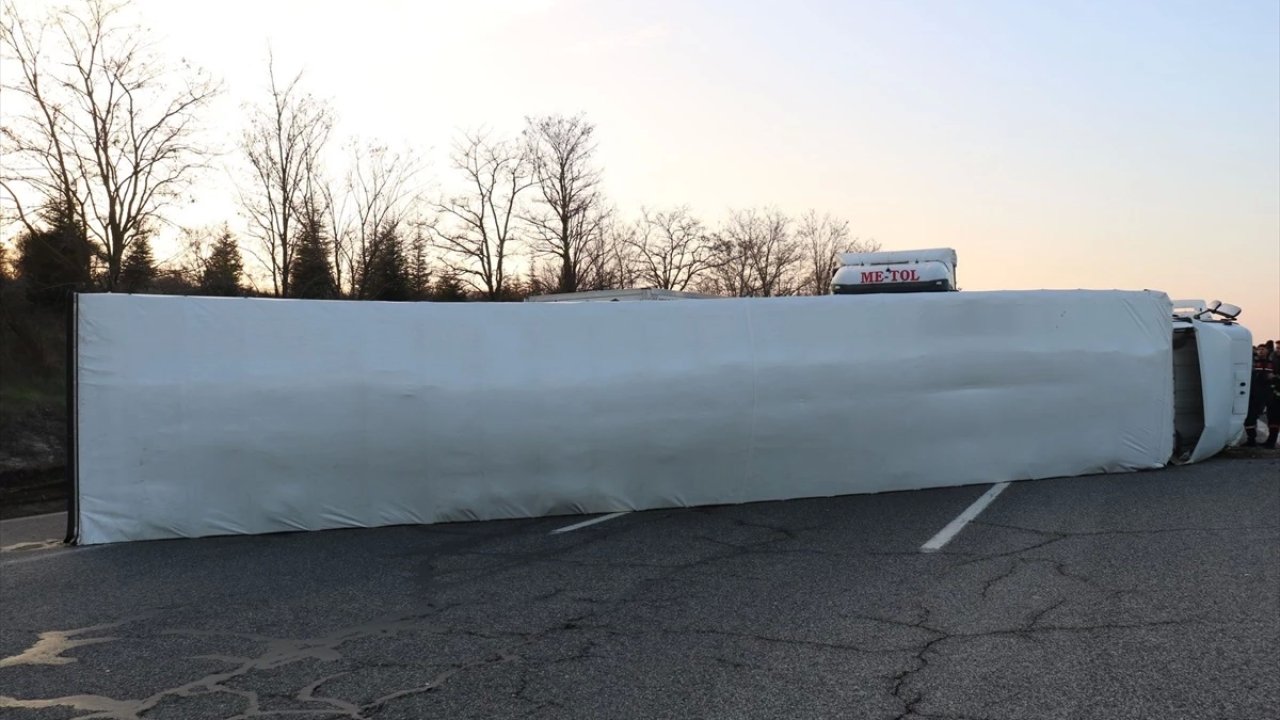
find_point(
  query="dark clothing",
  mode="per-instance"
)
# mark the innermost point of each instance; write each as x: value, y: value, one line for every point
x: 1256, y: 406
x: 1273, y: 425
x: 1260, y: 382
x: 1264, y: 394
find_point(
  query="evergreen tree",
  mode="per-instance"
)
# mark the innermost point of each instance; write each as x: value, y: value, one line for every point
x: 514, y: 291
x: 224, y: 268
x: 54, y: 261
x: 139, y: 269
x: 385, y: 275
x: 311, y: 273
x: 449, y: 289
x: 420, y: 270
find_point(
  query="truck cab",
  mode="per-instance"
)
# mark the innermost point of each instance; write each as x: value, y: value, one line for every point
x: 1212, y: 363
x: 931, y: 270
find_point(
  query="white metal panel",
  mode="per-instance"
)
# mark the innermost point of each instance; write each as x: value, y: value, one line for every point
x: 1224, y: 349
x: 1240, y: 403
x: 889, y: 257
x: 206, y: 416
x: 901, y: 273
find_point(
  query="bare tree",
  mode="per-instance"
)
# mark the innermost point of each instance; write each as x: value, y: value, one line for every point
x: 283, y: 142
x: 478, y: 232
x: 97, y: 124
x: 384, y: 197
x: 821, y: 241
x: 755, y: 254
x: 730, y: 272
x: 775, y: 253
x: 672, y: 249
x: 544, y: 277
x: 335, y: 201
x: 569, y: 216
x: 609, y: 260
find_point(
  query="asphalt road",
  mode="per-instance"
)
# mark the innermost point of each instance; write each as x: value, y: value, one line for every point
x: 1155, y: 595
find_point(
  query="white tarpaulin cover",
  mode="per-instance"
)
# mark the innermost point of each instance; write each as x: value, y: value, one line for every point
x: 207, y: 416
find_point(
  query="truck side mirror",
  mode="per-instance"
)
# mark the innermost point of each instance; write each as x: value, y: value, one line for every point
x: 1226, y: 310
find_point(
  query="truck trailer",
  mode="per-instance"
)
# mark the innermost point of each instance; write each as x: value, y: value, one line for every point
x: 214, y: 416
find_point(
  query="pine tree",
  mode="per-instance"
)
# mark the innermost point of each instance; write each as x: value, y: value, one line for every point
x: 386, y: 272
x: 449, y: 289
x: 311, y: 274
x: 420, y: 271
x: 54, y: 261
x: 139, y: 269
x: 224, y: 268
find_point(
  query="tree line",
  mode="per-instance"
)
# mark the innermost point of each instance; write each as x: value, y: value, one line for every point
x: 105, y: 136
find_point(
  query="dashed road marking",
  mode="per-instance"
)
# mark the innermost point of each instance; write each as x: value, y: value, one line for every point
x: 944, y: 536
x: 585, y: 523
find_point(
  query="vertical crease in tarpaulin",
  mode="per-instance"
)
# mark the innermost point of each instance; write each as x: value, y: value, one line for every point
x: 748, y: 474
x: 193, y: 321
x: 368, y: 478
x: 179, y: 385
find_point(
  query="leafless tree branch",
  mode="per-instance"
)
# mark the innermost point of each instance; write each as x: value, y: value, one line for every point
x: 101, y: 128
x: 671, y: 248
x: 479, y: 230
x: 568, y: 217
x: 283, y: 142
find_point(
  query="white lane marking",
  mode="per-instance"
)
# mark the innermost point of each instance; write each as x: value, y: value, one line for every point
x: 585, y: 523
x: 31, y: 545
x: 55, y: 553
x: 937, y: 542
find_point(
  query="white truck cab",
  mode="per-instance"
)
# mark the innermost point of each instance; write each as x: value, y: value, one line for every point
x: 931, y: 270
x: 1212, y: 367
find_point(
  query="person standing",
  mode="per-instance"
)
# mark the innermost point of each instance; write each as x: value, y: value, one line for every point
x: 1273, y: 402
x: 1259, y: 392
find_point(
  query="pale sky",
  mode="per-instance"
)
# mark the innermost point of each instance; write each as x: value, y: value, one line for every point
x: 1059, y: 144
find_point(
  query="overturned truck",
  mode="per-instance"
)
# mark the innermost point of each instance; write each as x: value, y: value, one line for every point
x: 210, y: 416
